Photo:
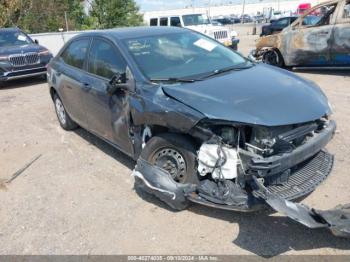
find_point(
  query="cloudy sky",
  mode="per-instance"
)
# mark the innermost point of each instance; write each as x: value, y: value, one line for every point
x: 148, y: 5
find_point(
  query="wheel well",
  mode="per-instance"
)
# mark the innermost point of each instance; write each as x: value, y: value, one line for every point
x: 158, y: 130
x: 280, y: 56
x: 52, y: 92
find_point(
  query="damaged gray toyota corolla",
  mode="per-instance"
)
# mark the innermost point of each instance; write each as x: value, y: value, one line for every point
x: 205, y: 124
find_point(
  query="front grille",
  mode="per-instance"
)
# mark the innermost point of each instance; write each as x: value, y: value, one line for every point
x: 25, y: 59
x: 220, y: 35
x: 305, y: 178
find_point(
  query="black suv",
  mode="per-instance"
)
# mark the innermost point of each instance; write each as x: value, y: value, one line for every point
x: 20, y: 56
x: 277, y: 25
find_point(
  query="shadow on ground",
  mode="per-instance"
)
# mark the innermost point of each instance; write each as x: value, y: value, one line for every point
x: 106, y: 148
x: 21, y: 83
x: 345, y: 73
x: 262, y: 233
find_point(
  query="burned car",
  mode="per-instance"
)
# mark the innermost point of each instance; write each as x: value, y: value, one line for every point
x: 21, y: 56
x: 197, y: 118
x: 319, y: 38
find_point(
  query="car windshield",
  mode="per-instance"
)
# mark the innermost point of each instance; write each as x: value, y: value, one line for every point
x: 182, y: 55
x: 195, y: 20
x: 14, y: 38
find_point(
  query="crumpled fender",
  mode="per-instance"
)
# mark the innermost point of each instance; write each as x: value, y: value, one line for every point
x: 158, y: 182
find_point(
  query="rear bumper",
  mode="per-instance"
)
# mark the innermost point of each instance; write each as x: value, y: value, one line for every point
x: 23, y: 73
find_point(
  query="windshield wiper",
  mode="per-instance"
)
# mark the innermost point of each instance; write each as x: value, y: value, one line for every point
x: 175, y: 80
x: 227, y: 69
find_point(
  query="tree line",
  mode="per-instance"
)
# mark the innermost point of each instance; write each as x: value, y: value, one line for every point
x: 37, y: 16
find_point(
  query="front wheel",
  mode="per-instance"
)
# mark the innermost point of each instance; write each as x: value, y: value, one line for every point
x: 273, y: 57
x: 174, y: 153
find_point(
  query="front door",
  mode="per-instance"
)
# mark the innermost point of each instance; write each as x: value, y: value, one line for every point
x: 108, y: 115
x: 310, y: 40
x: 340, y: 50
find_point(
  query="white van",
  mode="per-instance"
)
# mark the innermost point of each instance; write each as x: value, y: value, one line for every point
x: 200, y: 23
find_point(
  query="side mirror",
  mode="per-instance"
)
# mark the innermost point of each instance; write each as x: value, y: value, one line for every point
x: 117, y: 82
x: 36, y: 41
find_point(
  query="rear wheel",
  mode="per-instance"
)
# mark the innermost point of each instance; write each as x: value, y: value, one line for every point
x: 63, y: 118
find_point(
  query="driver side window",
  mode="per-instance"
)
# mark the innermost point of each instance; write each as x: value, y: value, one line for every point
x: 104, y: 60
x: 319, y: 16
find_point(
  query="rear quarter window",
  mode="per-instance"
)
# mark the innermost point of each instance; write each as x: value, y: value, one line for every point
x: 75, y: 53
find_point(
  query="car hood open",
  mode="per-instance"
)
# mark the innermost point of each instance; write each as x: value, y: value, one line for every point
x: 261, y: 95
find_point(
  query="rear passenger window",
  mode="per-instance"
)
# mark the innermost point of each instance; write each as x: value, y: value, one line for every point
x: 104, y: 60
x: 163, y: 21
x: 153, y: 22
x: 75, y: 53
x: 175, y: 21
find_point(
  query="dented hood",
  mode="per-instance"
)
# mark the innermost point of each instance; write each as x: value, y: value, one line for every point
x: 262, y: 95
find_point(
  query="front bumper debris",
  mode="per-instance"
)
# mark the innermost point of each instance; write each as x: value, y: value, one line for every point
x: 158, y: 182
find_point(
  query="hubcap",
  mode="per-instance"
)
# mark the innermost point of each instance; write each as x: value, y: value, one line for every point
x: 172, y: 161
x: 61, y: 113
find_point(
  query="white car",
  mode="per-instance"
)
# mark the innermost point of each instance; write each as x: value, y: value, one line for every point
x: 200, y: 23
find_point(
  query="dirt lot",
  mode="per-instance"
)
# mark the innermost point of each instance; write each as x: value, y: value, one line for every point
x: 78, y: 198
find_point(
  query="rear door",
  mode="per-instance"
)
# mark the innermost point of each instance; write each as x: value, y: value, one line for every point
x: 70, y: 75
x: 309, y: 42
x: 108, y: 116
x: 340, y: 51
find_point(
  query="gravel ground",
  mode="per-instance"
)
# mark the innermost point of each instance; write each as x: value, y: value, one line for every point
x: 78, y: 197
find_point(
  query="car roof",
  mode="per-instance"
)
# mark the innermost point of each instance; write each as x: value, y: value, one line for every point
x: 131, y: 32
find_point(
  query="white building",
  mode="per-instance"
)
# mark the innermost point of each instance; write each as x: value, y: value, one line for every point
x: 236, y: 9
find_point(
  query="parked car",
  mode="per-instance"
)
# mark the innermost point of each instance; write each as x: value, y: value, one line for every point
x: 215, y: 22
x: 235, y: 19
x: 258, y: 19
x: 20, y: 56
x: 223, y: 20
x: 246, y: 19
x: 277, y: 26
x: 319, y: 38
x: 200, y: 112
x: 200, y: 23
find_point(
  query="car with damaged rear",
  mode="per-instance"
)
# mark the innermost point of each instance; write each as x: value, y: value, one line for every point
x: 320, y: 38
x: 196, y: 116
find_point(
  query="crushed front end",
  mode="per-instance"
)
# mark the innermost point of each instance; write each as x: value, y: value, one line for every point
x: 245, y: 168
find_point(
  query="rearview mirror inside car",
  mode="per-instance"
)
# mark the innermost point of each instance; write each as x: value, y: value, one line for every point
x: 117, y: 82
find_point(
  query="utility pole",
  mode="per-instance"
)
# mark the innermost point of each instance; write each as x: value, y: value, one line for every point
x: 65, y: 18
x: 242, y: 17
x: 209, y: 7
